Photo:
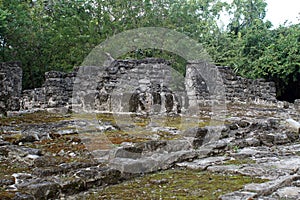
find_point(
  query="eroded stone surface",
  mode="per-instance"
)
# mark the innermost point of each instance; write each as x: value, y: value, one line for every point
x: 203, y: 163
x: 271, y: 186
x: 238, y: 196
x: 10, y: 86
x: 50, y: 173
x: 288, y: 193
x: 107, y: 88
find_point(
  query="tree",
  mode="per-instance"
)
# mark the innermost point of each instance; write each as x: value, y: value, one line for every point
x: 46, y: 35
x: 245, y: 13
x: 281, y: 61
x: 59, y: 34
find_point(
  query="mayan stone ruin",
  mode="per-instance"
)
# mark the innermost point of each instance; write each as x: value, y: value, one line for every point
x: 138, y: 125
x: 10, y: 86
x: 147, y: 78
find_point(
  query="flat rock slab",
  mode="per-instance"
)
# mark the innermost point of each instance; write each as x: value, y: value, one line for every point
x: 288, y: 193
x: 290, y: 163
x: 251, y: 152
x: 291, y: 148
x: 262, y: 172
x: 202, y: 164
x: 294, y: 125
x: 238, y: 196
x: 151, y: 163
x: 269, y: 187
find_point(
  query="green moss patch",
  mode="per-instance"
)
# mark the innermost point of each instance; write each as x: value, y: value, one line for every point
x: 179, y: 122
x: 12, y: 138
x: 139, y: 131
x: 117, y: 137
x: 7, y: 168
x: 177, y: 184
x: 4, y: 195
x: 32, y: 118
x: 67, y: 144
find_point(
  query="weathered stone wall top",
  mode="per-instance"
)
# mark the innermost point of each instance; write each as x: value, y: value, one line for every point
x: 55, y: 92
x: 105, y: 88
x: 126, y: 86
x: 239, y: 89
x: 10, y: 86
x: 201, y: 76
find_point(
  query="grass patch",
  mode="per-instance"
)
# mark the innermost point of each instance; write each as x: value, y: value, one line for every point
x: 4, y: 195
x: 138, y: 128
x: 179, y: 122
x: 117, y: 137
x: 66, y: 144
x: 32, y: 118
x: 12, y: 138
x: 177, y: 184
x: 182, y: 122
x: 7, y: 168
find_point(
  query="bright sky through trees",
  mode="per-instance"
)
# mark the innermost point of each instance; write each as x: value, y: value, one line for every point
x: 278, y: 11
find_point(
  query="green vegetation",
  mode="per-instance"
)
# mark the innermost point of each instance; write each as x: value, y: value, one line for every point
x: 58, y: 144
x: 138, y: 131
x: 55, y: 151
x: 8, y: 168
x: 177, y: 184
x: 138, y: 128
x: 59, y: 34
x: 6, y: 195
x: 32, y: 118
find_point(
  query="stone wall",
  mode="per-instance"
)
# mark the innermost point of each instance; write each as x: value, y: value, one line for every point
x: 142, y: 86
x: 56, y: 92
x: 32, y: 99
x: 297, y: 104
x: 243, y: 90
x: 10, y: 86
x: 124, y: 86
x: 148, y: 85
x: 237, y: 89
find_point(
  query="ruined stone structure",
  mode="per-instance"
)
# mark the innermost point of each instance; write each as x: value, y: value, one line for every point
x: 59, y: 156
x: 148, y: 85
x: 128, y: 86
x: 243, y: 90
x: 125, y: 86
x: 237, y: 89
x: 143, y: 86
x: 55, y: 92
x: 10, y: 86
x: 297, y: 104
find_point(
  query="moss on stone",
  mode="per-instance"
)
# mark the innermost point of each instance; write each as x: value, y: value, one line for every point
x: 12, y: 138
x: 32, y: 118
x: 177, y: 184
x: 62, y: 144
x: 5, y: 195
x: 7, y: 168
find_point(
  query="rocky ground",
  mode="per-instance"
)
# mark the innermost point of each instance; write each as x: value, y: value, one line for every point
x: 254, y: 155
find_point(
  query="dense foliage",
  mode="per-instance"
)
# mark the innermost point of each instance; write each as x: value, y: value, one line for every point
x: 59, y: 34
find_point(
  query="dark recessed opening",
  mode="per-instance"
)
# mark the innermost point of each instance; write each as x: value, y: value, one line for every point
x: 290, y: 92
